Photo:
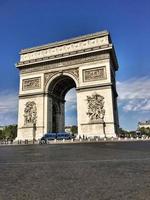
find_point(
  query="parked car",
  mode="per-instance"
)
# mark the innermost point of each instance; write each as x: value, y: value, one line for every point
x: 52, y: 136
x: 46, y: 137
x: 64, y: 135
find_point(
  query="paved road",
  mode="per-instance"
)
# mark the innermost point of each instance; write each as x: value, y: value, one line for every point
x: 96, y: 171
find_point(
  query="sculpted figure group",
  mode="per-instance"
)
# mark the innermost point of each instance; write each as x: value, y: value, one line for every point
x: 96, y: 109
x: 30, y: 113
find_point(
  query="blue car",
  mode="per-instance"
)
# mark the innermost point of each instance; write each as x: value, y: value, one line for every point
x: 65, y: 136
x: 46, y: 137
x: 52, y: 136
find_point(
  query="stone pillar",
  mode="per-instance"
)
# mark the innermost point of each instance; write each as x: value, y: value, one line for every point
x: 48, y: 114
x: 62, y: 117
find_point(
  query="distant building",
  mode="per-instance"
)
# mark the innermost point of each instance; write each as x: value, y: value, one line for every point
x: 68, y: 129
x: 145, y: 124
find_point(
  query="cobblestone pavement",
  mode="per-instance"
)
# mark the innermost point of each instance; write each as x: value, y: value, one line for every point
x: 96, y: 171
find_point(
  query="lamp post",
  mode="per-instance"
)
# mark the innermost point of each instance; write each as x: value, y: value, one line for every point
x: 34, y: 132
x: 104, y: 125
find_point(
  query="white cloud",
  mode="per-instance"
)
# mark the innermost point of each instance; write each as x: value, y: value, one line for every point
x: 71, y: 103
x: 8, y: 107
x: 134, y: 94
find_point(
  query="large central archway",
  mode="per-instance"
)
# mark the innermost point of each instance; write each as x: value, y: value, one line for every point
x: 57, y: 89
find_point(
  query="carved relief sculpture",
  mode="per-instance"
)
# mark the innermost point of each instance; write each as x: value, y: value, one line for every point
x: 30, y: 113
x: 31, y: 83
x: 96, y: 109
x: 68, y: 62
x: 94, y: 74
x: 67, y: 48
x: 48, y: 76
x: 74, y: 72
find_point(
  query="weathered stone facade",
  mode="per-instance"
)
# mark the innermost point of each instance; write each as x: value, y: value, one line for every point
x: 48, y: 72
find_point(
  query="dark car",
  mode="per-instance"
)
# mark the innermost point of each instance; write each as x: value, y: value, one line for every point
x: 46, y: 137
x: 52, y: 136
x: 63, y: 135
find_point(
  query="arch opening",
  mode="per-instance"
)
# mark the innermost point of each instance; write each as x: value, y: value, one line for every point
x: 71, y: 112
x: 57, y: 90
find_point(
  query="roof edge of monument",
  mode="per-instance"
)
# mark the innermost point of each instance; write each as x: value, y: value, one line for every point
x: 66, y: 41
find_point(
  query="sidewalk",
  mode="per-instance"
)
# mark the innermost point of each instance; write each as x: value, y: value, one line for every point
x: 77, y: 141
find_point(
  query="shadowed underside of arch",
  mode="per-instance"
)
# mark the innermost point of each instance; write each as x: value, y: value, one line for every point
x: 60, y: 86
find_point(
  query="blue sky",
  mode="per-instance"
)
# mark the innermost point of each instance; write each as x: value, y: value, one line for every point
x: 29, y: 23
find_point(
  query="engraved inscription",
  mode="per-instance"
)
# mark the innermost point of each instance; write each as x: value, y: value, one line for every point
x: 31, y: 83
x: 94, y: 74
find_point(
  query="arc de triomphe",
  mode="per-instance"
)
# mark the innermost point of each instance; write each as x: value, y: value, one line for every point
x: 48, y: 72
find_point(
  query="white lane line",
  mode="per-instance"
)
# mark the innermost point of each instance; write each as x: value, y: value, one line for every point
x: 78, y: 161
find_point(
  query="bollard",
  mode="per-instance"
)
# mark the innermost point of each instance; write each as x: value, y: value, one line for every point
x: 63, y: 140
x: 89, y: 139
x: 97, y: 139
x: 72, y: 140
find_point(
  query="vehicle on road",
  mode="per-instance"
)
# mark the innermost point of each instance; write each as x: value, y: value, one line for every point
x: 46, y: 137
x: 52, y: 136
x: 65, y: 136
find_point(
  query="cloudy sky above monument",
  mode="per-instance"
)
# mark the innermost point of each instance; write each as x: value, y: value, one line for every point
x: 29, y: 23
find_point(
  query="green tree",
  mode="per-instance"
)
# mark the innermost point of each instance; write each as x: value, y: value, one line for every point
x: 133, y: 134
x: 145, y: 131
x: 123, y: 133
x: 2, y: 136
x: 74, y: 129
x: 10, y: 132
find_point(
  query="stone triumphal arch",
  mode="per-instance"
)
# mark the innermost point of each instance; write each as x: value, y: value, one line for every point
x: 48, y: 72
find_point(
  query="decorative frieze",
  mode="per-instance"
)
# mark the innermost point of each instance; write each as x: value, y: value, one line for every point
x: 30, y: 113
x: 31, y: 83
x: 66, y: 48
x: 94, y: 74
x: 65, y: 62
x: 96, y: 109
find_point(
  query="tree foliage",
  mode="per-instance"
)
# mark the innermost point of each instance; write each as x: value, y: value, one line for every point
x: 9, y: 132
x: 145, y: 131
x: 74, y: 129
x: 124, y: 133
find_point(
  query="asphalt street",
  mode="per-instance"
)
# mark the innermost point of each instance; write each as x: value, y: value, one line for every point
x: 93, y: 171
